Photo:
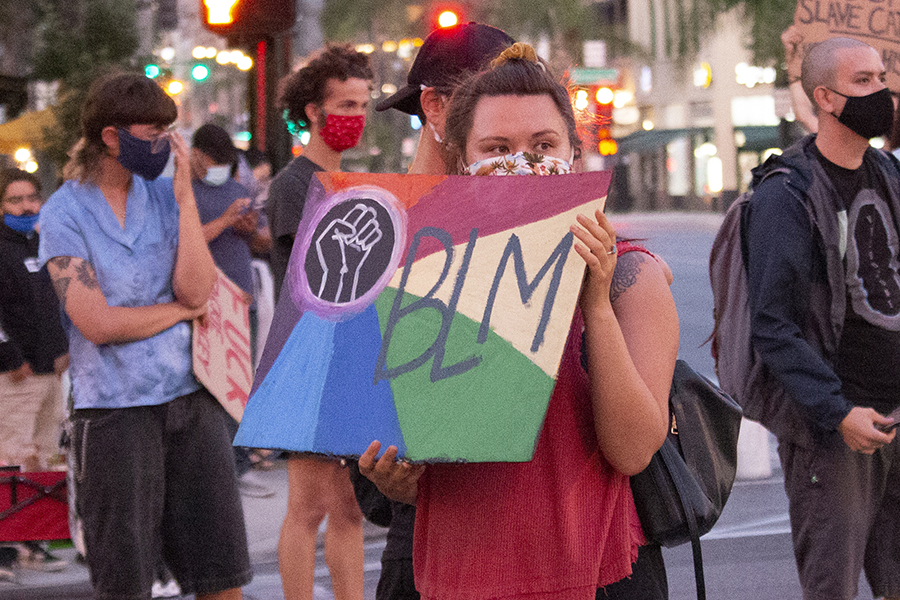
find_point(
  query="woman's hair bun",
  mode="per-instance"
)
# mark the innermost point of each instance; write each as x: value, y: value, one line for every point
x: 518, y: 51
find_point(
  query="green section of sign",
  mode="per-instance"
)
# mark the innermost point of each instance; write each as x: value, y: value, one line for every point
x: 454, y: 419
x: 587, y: 76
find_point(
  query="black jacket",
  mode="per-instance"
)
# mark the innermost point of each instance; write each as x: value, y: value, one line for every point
x: 796, y: 284
x: 30, y: 325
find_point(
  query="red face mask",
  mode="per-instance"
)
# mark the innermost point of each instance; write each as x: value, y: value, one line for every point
x: 342, y: 132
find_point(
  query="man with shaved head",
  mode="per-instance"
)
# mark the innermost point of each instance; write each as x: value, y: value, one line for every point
x: 821, y: 246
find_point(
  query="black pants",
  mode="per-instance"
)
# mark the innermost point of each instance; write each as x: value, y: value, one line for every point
x: 647, y: 582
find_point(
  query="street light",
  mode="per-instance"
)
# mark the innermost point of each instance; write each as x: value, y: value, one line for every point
x: 22, y: 154
x: 174, y: 88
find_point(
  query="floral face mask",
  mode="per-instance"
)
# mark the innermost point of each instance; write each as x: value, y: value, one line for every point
x: 521, y: 163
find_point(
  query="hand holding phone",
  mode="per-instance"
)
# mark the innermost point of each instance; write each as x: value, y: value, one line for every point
x: 895, y: 415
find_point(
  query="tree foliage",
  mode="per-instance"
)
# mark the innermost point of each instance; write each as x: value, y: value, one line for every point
x: 766, y: 19
x: 78, y: 40
x: 567, y: 23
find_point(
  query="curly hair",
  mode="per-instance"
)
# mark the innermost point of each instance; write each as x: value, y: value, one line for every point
x: 309, y: 83
x: 517, y: 71
x: 116, y: 100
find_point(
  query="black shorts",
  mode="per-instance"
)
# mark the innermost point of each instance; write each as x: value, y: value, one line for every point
x: 159, y: 481
x: 396, y: 581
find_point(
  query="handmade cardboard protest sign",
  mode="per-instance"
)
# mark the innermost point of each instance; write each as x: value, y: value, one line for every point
x: 875, y: 22
x: 222, y: 347
x: 427, y: 312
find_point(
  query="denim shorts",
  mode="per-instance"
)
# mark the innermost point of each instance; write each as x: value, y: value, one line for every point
x: 158, y: 482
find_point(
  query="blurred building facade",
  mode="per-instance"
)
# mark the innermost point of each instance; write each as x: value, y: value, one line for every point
x: 692, y: 129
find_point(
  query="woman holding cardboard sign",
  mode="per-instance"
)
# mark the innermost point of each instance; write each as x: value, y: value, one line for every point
x: 563, y: 524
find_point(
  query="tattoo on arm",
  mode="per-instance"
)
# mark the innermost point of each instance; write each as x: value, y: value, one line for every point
x: 86, y: 275
x: 61, y: 262
x: 627, y: 269
x: 62, y: 275
x: 61, y: 285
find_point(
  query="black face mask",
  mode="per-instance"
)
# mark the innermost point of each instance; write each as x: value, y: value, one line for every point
x: 869, y: 116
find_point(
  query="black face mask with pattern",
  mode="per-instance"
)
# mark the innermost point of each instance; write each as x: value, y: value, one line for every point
x: 869, y: 116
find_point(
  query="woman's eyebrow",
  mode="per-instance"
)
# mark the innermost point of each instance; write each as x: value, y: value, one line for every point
x: 545, y: 132
x: 492, y: 138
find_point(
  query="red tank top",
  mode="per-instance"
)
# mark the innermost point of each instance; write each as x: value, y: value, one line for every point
x: 559, y: 526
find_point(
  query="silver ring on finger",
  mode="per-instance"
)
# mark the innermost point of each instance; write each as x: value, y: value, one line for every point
x: 612, y: 251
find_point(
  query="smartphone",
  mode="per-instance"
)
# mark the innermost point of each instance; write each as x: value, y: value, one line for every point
x: 895, y: 415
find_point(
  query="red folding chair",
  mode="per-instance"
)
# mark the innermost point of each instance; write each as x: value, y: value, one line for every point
x: 33, y: 506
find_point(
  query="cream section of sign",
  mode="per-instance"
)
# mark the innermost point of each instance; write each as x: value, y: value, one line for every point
x: 510, y: 318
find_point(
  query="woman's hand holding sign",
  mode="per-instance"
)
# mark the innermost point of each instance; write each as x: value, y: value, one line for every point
x: 395, y: 479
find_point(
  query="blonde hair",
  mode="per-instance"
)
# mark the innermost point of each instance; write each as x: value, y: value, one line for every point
x: 518, y: 51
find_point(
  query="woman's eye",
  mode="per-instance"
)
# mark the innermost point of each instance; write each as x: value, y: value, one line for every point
x: 545, y: 146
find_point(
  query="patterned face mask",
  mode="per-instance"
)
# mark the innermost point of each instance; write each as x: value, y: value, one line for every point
x: 342, y: 132
x: 521, y: 163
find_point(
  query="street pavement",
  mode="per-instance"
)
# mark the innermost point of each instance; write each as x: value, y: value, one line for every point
x: 747, y: 555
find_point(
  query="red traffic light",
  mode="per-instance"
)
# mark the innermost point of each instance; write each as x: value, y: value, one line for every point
x: 607, y: 147
x: 604, y: 95
x: 447, y: 18
x: 252, y: 18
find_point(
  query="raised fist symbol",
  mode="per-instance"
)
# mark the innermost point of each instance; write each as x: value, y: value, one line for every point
x: 342, y: 249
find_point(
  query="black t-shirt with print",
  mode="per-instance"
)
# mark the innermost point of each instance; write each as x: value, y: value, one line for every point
x: 868, y: 357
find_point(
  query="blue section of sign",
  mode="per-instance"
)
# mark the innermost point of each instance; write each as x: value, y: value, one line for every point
x: 292, y: 391
x: 355, y: 410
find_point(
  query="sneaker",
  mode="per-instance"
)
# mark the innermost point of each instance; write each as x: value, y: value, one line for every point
x: 251, y: 485
x: 37, y: 558
x: 7, y: 574
x: 171, y: 589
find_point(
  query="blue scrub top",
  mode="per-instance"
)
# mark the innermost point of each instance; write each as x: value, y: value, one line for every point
x: 134, y: 267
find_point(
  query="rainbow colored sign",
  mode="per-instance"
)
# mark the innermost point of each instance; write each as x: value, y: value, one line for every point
x: 427, y: 312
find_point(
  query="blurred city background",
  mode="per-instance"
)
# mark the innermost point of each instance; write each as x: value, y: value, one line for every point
x: 691, y: 95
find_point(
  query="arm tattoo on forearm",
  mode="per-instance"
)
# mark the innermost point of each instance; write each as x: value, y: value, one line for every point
x: 627, y: 269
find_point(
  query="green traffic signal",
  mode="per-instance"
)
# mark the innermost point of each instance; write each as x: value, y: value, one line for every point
x: 152, y: 71
x: 199, y: 72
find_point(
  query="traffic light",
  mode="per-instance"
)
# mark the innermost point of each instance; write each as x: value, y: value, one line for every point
x: 248, y: 18
x: 604, y: 97
x: 442, y: 15
x: 152, y: 71
x: 199, y: 72
x: 607, y: 147
x: 448, y: 18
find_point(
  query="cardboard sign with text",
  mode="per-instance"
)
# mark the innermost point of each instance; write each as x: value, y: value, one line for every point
x: 427, y: 312
x: 222, y: 347
x: 875, y: 22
